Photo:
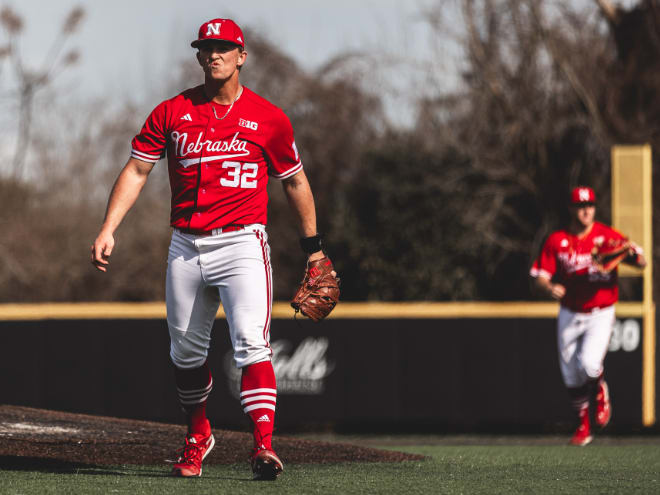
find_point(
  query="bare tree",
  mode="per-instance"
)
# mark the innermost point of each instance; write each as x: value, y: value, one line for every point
x: 633, y: 96
x: 610, y: 11
x: 525, y: 126
x: 547, y: 90
x: 31, y: 81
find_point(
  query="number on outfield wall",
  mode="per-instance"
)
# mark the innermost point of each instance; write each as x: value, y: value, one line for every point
x: 625, y: 336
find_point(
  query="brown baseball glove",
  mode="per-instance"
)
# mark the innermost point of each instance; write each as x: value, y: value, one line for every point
x: 318, y: 293
x: 610, y: 253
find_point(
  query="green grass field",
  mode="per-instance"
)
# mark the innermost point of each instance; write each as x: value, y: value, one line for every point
x: 628, y: 468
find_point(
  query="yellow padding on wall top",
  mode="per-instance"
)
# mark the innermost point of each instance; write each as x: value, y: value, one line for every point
x: 282, y: 310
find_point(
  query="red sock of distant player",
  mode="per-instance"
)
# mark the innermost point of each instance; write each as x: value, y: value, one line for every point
x: 579, y: 398
x: 258, y: 397
x: 194, y: 386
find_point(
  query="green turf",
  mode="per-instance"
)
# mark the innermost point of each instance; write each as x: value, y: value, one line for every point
x: 449, y: 469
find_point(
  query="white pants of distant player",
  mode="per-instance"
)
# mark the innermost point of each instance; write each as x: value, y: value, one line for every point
x: 583, y: 340
x: 232, y: 267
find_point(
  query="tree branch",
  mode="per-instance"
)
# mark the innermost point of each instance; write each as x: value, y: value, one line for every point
x: 609, y: 10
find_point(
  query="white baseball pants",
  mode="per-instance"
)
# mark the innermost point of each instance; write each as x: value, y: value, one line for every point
x: 232, y: 267
x: 582, y: 340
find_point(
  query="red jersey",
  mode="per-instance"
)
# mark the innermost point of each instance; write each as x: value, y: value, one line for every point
x: 567, y: 259
x: 219, y: 159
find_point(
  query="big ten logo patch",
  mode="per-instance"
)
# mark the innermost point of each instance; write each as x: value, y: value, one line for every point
x: 299, y: 371
x: 248, y: 123
x: 625, y: 336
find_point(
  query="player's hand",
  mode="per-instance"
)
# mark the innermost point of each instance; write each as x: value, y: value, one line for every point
x: 101, y: 251
x: 634, y: 258
x: 557, y: 291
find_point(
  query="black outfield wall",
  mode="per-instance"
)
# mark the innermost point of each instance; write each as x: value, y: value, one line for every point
x: 460, y: 374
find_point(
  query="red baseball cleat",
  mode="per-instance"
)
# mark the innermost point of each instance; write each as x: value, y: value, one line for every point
x: 266, y: 466
x: 603, y: 405
x: 196, y: 448
x: 582, y: 435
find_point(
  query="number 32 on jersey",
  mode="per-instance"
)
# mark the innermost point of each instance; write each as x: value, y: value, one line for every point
x: 243, y: 175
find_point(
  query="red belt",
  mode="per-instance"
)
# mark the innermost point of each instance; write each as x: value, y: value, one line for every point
x: 206, y: 233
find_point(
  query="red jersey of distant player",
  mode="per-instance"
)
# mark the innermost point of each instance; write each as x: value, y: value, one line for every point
x: 567, y: 260
x: 218, y: 161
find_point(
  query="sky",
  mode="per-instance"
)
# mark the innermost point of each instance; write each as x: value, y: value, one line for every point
x: 129, y: 47
x: 126, y: 46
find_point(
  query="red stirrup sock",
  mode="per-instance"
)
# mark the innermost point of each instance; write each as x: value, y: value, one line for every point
x: 258, y: 397
x: 579, y: 397
x: 194, y: 387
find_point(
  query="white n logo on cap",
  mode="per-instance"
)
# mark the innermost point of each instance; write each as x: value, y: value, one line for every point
x: 584, y: 194
x: 213, y: 28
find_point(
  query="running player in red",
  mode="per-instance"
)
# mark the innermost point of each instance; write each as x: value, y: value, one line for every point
x: 565, y: 271
x: 222, y: 143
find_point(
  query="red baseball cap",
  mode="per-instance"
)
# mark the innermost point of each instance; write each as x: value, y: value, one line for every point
x: 583, y: 194
x: 219, y: 29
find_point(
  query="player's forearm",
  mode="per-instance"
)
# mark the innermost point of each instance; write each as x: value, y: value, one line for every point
x: 124, y: 194
x: 543, y: 285
x: 301, y: 200
x: 555, y: 291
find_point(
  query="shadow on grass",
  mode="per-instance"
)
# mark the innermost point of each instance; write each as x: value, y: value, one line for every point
x: 59, y: 466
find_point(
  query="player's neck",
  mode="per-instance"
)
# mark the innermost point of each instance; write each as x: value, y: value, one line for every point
x: 222, y: 92
x: 580, y: 230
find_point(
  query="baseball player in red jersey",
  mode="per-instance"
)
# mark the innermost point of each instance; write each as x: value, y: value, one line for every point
x: 565, y: 270
x: 222, y: 142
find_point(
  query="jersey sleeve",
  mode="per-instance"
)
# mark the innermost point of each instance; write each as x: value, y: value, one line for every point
x: 150, y: 144
x: 284, y: 160
x: 546, y: 264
